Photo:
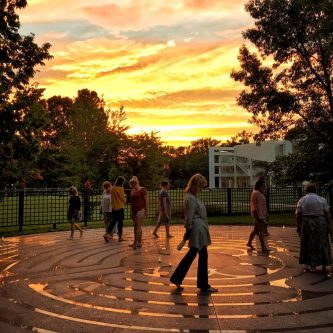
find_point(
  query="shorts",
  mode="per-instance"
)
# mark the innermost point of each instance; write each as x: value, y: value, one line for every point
x: 139, y: 214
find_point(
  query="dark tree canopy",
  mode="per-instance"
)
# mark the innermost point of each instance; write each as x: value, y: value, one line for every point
x: 21, y: 112
x: 295, y: 91
x: 19, y: 55
x: 297, y: 88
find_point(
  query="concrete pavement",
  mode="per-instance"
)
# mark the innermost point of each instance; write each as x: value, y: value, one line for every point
x: 52, y: 284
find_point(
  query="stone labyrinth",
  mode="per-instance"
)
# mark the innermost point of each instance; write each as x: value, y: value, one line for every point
x: 52, y: 284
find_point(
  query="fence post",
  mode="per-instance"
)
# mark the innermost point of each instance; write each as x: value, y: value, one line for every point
x: 229, y: 200
x: 331, y: 200
x: 267, y: 195
x: 299, y: 192
x: 86, y: 206
x: 21, y: 210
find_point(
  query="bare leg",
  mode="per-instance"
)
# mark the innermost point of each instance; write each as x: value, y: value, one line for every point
x: 139, y: 221
x: 72, y: 230
x: 167, y: 230
x: 155, y: 230
x: 252, y: 235
x: 77, y: 227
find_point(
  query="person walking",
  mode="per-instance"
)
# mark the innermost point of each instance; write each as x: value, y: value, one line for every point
x: 139, y: 203
x: 73, y: 211
x: 106, y: 209
x: 118, y: 201
x: 164, y: 207
x: 259, y: 213
x: 314, y: 225
x: 197, y: 232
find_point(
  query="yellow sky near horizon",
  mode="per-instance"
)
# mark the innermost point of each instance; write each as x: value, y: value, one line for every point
x: 168, y: 63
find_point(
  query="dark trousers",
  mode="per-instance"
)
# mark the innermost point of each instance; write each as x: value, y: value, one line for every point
x: 185, y: 264
x: 117, y: 217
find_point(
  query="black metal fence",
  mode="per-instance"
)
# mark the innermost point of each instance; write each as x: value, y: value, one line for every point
x: 26, y: 207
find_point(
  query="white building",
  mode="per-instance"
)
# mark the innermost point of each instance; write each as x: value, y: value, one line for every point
x: 233, y: 166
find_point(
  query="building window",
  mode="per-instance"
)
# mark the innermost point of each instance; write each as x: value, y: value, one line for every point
x: 227, y: 159
x: 217, y: 169
x: 216, y: 158
x: 227, y: 169
x: 217, y: 182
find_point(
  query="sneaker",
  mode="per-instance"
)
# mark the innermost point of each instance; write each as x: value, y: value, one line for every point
x: 155, y: 235
x: 121, y: 239
x: 169, y: 236
x: 106, y: 238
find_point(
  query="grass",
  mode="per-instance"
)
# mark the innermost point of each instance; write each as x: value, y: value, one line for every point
x: 287, y: 219
x: 50, y: 206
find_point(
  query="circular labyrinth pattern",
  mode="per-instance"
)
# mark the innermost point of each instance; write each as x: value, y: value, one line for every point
x: 52, y: 284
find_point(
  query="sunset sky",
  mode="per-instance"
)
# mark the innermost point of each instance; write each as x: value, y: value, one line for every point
x: 167, y: 62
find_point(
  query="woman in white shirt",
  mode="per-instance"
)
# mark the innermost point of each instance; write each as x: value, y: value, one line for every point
x: 314, y: 224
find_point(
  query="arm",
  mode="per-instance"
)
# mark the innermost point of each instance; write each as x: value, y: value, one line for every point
x: 189, y: 210
x: 328, y: 219
x: 298, y: 222
x: 77, y: 203
x: 255, y: 204
x: 145, y: 198
x: 299, y: 216
x: 165, y: 207
x: 122, y: 196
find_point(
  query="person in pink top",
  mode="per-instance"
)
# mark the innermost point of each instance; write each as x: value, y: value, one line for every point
x: 259, y: 213
x: 139, y: 202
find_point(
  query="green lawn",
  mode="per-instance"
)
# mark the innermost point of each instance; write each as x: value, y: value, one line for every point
x: 275, y: 220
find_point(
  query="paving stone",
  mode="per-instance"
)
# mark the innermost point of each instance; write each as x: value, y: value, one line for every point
x: 49, y: 283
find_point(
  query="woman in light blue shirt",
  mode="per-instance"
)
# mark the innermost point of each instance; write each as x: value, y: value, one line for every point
x: 197, y: 234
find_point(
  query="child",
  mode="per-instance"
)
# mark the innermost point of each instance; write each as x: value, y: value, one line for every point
x: 164, y: 205
x: 73, y: 212
x: 106, y: 207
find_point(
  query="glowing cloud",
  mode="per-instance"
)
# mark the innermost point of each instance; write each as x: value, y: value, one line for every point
x: 168, y: 63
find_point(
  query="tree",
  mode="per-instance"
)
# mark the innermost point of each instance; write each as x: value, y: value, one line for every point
x: 239, y: 139
x: 296, y: 90
x: 198, y: 155
x: 24, y: 146
x: 19, y: 56
x: 145, y: 157
x: 305, y: 163
x: 89, y: 146
x: 51, y: 160
x: 178, y: 169
x: 190, y: 160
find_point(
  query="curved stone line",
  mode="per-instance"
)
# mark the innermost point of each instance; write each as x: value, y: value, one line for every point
x: 98, y: 323
x: 39, y: 288
x: 192, y: 304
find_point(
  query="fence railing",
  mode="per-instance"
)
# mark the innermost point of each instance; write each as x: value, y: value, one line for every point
x: 27, y: 207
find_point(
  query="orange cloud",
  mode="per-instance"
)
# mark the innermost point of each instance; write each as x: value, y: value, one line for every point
x: 168, y: 63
